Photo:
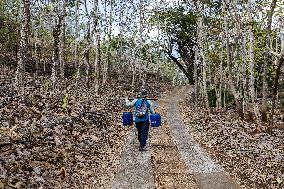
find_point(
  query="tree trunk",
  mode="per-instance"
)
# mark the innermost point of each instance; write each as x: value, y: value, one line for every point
x: 158, y: 61
x: 76, y: 35
x: 229, y: 65
x: 62, y: 40
x: 200, y: 42
x: 181, y: 67
x: 121, y: 30
x: 109, y: 33
x: 279, y: 63
x: 252, y: 63
x: 270, y: 14
x: 195, y: 79
x: 219, y: 100
x: 87, y: 51
x: 22, y: 54
x: 96, y: 32
x: 56, y: 47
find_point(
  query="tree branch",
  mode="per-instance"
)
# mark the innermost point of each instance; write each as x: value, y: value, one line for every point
x: 175, y: 60
x: 273, y: 53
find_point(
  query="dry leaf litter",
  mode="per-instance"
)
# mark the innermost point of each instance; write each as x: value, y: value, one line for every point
x: 254, y: 159
x: 49, y: 142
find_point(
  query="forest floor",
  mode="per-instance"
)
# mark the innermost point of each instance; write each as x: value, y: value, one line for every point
x: 70, y: 139
x: 253, y: 159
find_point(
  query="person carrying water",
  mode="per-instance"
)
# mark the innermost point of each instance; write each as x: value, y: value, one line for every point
x: 142, y: 108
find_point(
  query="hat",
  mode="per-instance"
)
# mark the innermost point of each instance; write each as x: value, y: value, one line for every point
x: 143, y: 92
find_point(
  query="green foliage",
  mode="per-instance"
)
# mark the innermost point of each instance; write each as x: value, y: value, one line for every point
x: 46, y: 83
x: 212, y: 97
x: 116, y: 42
x: 8, y: 27
x: 168, y: 70
x: 281, y: 101
x: 178, y: 22
x: 180, y: 25
x: 74, y: 75
x: 94, y: 74
x: 65, y: 101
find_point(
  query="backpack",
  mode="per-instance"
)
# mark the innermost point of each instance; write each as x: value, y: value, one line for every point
x: 142, y: 111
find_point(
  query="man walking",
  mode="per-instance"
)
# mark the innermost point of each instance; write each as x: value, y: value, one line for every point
x: 142, y: 108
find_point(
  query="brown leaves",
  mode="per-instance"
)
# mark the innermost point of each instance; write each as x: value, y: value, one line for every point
x: 62, y: 173
x: 62, y: 147
x: 255, y: 159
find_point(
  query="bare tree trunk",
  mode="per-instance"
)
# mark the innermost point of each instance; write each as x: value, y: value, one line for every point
x: 200, y: 42
x: 96, y: 32
x: 244, y: 71
x: 87, y: 52
x: 219, y: 99
x: 36, y: 45
x: 121, y: 29
x: 229, y: 64
x: 279, y: 63
x: 267, y: 58
x: 158, y: 59
x: 109, y: 33
x: 22, y: 54
x: 252, y: 63
x: 195, y: 78
x: 56, y: 47
x: 62, y: 41
x: 76, y: 33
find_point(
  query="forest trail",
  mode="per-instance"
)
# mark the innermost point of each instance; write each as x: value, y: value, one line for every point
x: 135, y: 167
x: 173, y: 160
x: 207, y: 173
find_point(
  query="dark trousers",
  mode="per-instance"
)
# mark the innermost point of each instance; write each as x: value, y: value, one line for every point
x: 143, y: 129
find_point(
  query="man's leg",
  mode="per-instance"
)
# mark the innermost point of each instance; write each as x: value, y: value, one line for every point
x: 144, y: 134
x: 139, y: 129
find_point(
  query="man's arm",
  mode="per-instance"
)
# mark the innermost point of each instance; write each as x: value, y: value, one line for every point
x: 151, y: 107
x: 130, y: 104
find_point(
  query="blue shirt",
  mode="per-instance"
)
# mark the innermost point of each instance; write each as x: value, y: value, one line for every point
x: 136, y: 103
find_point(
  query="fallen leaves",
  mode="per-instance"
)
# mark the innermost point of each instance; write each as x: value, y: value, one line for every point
x: 255, y: 159
x: 55, y: 141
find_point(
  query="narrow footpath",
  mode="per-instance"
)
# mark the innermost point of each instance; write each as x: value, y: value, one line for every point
x: 207, y: 173
x: 135, y: 170
x: 174, y: 160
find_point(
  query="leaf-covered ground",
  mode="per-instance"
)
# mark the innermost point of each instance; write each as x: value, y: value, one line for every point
x: 254, y: 159
x: 49, y: 142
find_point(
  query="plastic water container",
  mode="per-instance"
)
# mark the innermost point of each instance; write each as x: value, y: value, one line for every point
x: 155, y: 120
x: 127, y: 118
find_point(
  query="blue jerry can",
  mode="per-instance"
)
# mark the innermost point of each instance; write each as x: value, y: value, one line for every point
x: 155, y: 120
x: 127, y: 118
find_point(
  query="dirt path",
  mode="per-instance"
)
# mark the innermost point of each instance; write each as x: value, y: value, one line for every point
x: 135, y: 171
x: 170, y: 171
x: 208, y: 174
x: 173, y: 160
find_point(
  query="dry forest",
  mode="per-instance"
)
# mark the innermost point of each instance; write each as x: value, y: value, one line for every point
x: 214, y: 67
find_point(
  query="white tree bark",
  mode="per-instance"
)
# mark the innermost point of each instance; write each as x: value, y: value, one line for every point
x: 252, y: 62
x: 200, y: 41
x: 109, y: 38
x: 219, y: 93
x: 229, y: 62
x: 62, y: 40
x: 195, y: 78
x: 22, y: 54
x: 96, y: 33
